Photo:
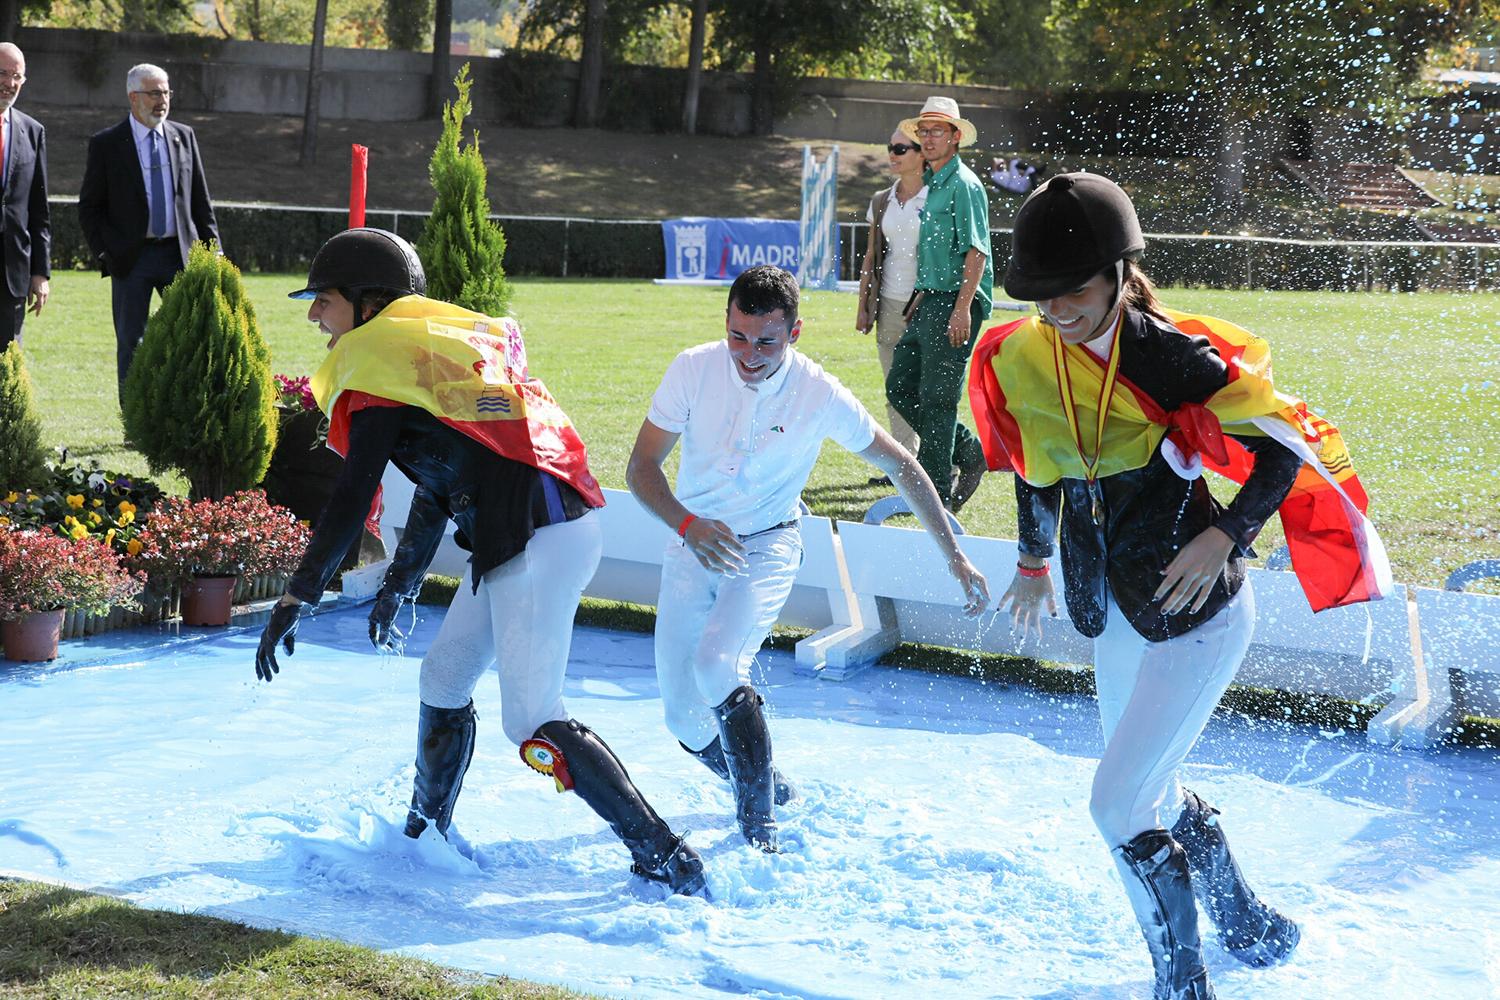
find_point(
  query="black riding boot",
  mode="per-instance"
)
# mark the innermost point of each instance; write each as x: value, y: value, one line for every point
x: 1155, y: 872
x: 1248, y: 929
x: 445, y: 745
x: 713, y: 759
x: 746, y: 741
x: 590, y: 768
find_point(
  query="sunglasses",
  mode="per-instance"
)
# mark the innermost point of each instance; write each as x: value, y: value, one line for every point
x: 902, y: 148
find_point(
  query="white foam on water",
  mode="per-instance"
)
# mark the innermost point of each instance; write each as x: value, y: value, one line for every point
x: 941, y: 846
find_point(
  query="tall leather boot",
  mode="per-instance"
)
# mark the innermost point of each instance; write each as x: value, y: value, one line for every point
x: 1155, y: 872
x: 1248, y: 929
x: 713, y: 759
x: 445, y: 745
x: 578, y: 759
x: 746, y: 741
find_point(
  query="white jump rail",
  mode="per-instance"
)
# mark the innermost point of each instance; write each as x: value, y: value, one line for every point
x: 1425, y: 656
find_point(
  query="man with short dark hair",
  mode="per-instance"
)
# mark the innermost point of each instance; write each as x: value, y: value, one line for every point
x: 25, y: 221
x: 752, y: 413
x: 143, y: 204
x: 952, y: 301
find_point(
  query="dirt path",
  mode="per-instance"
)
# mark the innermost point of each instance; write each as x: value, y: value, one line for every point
x: 583, y: 173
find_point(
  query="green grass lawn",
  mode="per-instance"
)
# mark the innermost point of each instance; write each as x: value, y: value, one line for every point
x: 1413, y: 381
x: 59, y: 942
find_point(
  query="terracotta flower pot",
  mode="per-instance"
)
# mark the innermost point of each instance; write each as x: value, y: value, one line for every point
x: 32, y: 637
x: 206, y: 600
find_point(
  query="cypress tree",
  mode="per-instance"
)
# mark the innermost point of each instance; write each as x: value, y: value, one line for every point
x: 23, y: 460
x: 461, y: 249
x: 199, y: 396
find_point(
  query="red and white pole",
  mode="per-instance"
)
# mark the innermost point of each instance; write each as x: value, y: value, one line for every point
x: 359, y: 162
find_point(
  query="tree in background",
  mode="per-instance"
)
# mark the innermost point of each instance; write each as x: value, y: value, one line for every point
x: 199, y: 396
x: 407, y: 23
x: 461, y: 248
x: 1242, y: 58
x: 23, y: 460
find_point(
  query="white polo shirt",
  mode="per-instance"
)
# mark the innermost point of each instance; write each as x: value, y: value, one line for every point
x: 747, y: 453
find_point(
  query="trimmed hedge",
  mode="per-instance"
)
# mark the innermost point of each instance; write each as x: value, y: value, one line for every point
x: 279, y: 239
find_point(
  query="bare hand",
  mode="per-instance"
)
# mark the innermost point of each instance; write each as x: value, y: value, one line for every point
x: 959, y: 325
x: 862, y: 322
x: 1026, y: 595
x: 37, y: 295
x: 976, y: 589
x: 715, y: 546
x: 1190, y: 577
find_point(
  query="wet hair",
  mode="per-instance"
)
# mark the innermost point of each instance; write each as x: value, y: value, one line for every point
x: 764, y: 289
x: 1140, y: 293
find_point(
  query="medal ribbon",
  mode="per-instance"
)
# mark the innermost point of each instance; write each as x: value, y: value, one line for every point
x: 1106, y: 395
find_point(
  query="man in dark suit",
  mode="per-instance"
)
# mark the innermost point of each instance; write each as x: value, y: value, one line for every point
x: 143, y: 204
x: 25, y: 222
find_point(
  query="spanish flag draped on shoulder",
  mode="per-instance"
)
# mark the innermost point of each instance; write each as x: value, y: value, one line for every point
x: 467, y: 370
x: 1013, y: 389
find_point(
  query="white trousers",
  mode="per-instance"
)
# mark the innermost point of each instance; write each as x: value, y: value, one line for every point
x: 709, y: 626
x: 521, y: 618
x: 1154, y: 700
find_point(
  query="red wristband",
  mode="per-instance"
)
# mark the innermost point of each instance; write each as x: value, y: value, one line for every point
x: 1041, y: 570
x: 683, y: 527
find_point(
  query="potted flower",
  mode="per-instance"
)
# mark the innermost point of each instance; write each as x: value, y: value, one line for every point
x: 203, y: 547
x: 43, y: 575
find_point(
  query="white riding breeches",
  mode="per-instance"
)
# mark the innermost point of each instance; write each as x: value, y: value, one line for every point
x: 1154, y: 700
x: 709, y: 626
x: 521, y: 619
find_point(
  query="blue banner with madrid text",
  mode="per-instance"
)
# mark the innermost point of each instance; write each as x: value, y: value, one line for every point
x: 704, y: 249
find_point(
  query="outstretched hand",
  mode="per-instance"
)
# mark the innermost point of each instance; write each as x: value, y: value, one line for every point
x: 1026, y: 596
x: 384, y: 635
x: 281, y: 628
x: 976, y: 588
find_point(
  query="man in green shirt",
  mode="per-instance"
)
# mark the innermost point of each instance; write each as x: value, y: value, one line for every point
x: 952, y: 301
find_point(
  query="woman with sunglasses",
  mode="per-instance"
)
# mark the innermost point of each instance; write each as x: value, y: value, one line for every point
x: 889, y: 274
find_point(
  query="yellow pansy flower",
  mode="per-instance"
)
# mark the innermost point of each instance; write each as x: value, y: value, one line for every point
x: 12, y: 496
x: 4, y: 519
x: 126, y: 507
x: 75, y: 500
x: 94, y: 518
x: 96, y: 502
x: 69, y: 521
x: 79, y: 531
x: 133, y: 547
x: 109, y: 537
x: 126, y: 518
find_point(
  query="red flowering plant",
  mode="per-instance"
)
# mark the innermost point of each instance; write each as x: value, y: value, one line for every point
x: 241, y: 534
x: 83, y: 502
x: 45, y: 571
x: 295, y: 394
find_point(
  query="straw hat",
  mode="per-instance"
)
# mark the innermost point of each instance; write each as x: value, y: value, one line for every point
x: 944, y: 110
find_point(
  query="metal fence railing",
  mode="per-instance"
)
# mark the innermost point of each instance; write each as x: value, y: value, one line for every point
x: 262, y: 237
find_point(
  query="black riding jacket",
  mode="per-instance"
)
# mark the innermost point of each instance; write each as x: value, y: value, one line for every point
x: 1150, y: 513
x: 497, y: 503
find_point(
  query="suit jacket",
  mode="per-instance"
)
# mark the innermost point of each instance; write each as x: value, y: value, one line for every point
x: 25, y: 220
x: 112, y: 205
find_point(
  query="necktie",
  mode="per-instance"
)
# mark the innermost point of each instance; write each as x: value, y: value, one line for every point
x: 158, y: 190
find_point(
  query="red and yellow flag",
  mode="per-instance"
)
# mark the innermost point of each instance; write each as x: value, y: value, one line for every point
x: 467, y: 370
x: 1013, y: 389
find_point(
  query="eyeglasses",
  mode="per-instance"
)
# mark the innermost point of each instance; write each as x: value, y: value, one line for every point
x: 155, y: 95
x: 936, y: 132
x: 13, y: 77
x: 902, y: 148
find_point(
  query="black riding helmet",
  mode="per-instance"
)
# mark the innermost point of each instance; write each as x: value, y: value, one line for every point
x: 1067, y: 231
x: 365, y: 260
